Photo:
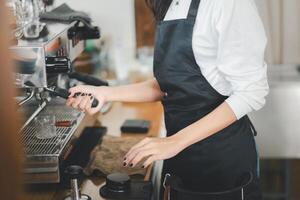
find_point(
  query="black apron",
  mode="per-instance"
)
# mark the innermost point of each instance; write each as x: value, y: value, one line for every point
x: 214, y: 164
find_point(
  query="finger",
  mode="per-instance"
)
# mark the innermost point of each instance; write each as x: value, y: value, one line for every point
x: 88, y: 108
x: 82, y: 89
x: 135, y: 152
x: 138, y: 145
x: 74, y: 90
x: 83, y: 103
x: 142, y: 143
x: 70, y: 101
x: 151, y: 160
x: 142, y: 155
x: 148, y: 143
x: 77, y: 101
x: 131, y: 156
x: 93, y: 111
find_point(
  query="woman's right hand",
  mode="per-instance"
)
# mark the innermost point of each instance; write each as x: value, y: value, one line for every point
x: 84, y: 101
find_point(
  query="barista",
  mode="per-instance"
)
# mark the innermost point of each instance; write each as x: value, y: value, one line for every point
x: 209, y: 73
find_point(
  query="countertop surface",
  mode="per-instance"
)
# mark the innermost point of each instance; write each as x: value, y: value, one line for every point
x: 113, y: 121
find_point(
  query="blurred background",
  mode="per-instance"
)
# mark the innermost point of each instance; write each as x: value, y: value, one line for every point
x: 124, y: 53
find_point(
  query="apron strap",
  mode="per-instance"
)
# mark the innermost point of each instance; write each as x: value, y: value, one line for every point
x: 251, y: 126
x: 167, y: 187
x: 193, y: 11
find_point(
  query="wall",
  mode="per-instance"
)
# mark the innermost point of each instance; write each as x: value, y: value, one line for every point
x: 282, y: 22
x: 116, y: 19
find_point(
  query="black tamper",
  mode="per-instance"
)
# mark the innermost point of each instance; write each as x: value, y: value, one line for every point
x: 75, y: 173
x: 119, y: 187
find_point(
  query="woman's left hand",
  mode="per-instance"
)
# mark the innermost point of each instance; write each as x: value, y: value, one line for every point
x: 151, y: 150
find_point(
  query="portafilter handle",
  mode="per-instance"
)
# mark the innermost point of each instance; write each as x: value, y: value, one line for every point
x: 65, y: 94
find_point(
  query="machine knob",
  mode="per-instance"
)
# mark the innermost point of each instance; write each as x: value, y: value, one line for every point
x: 118, y: 182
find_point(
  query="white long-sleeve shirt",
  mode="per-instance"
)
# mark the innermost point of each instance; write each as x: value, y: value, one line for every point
x: 229, y: 42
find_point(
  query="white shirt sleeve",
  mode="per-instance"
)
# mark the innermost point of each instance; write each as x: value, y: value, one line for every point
x: 241, y: 46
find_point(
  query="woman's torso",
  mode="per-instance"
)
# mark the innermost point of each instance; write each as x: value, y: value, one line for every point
x: 206, y: 39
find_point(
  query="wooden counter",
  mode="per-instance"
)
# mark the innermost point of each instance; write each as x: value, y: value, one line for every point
x: 113, y: 121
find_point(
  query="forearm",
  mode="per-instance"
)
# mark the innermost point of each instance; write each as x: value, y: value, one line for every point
x: 147, y: 91
x: 217, y: 120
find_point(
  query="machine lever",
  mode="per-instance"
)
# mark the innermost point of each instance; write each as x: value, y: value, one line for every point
x: 87, y: 79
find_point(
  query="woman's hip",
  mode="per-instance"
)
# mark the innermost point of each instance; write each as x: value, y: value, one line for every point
x: 215, y: 165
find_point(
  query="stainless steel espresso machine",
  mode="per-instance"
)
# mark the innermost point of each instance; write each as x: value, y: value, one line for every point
x: 43, y: 75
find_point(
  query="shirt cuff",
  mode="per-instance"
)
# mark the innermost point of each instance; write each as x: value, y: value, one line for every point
x: 239, y: 106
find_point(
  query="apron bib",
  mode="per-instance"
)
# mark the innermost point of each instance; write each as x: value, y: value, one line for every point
x: 216, y: 163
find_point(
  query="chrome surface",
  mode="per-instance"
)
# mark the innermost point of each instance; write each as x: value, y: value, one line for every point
x: 83, y: 197
x: 75, y: 194
x: 38, y: 109
x: 278, y: 123
x: 32, y: 60
x: 53, y: 146
x: 30, y: 54
x: 44, y: 156
x: 26, y: 99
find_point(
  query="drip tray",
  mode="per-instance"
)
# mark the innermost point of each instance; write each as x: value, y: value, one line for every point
x: 44, y: 157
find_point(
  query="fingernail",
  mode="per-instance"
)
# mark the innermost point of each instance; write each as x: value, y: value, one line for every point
x: 143, y: 167
x: 82, y: 94
x: 77, y: 94
x: 90, y: 94
x: 131, y: 165
x: 125, y: 158
x: 124, y: 164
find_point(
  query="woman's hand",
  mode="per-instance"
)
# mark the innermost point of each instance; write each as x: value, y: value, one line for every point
x: 151, y: 150
x: 84, y: 101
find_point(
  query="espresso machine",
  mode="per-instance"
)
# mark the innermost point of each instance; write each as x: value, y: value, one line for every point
x: 43, y: 76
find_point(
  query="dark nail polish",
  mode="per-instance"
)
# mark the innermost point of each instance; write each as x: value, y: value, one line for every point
x: 82, y: 94
x: 124, y: 158
x: 124, y: 164
x: 77, y: 94
x: 131, y: 165
x: 90, y: 94
x: 143, y: 167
